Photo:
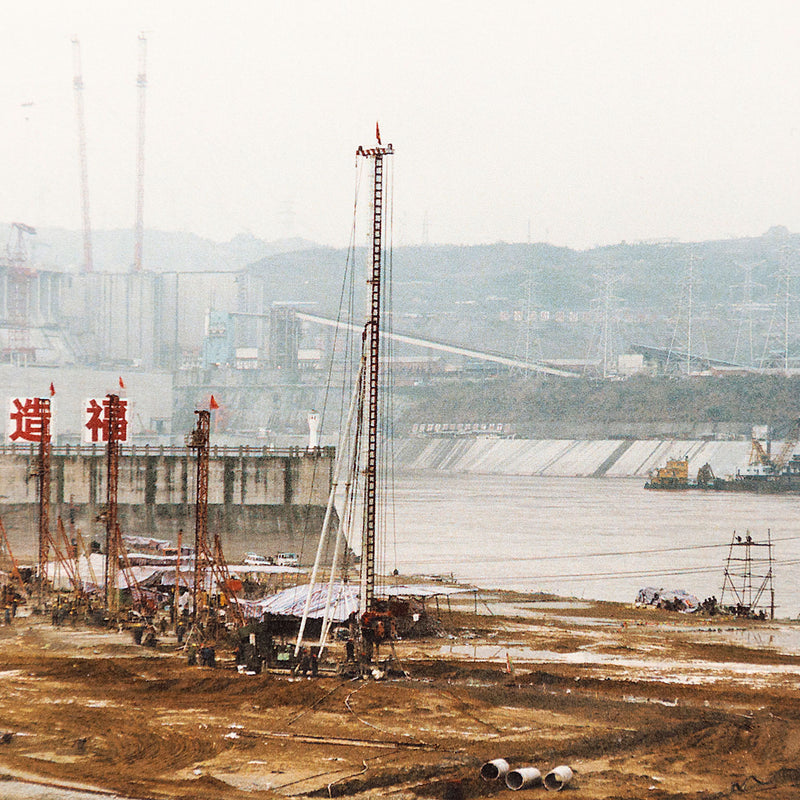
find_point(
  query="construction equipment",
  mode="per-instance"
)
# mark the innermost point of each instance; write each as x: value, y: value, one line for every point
x: 675, y: 475
x: 5, y: 550
x: 209, y: 559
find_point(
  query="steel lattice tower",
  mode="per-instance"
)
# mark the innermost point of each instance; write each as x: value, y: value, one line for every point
x: 112, y: 527
x: 43, y: 490
x: 372, y: 344
x: 198, y: 440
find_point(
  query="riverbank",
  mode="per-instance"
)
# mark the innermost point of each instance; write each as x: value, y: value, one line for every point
x: 638, y: 702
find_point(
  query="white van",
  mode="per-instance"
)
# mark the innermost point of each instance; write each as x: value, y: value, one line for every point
x: 287, y: 560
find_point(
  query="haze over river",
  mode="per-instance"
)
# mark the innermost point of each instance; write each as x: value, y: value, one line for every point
x: 599, y: 538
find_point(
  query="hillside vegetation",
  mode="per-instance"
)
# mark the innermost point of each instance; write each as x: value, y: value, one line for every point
x: 639, y: 406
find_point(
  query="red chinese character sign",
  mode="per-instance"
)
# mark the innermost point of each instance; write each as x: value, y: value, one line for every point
x: 27, y: 417
x: 97, y: 420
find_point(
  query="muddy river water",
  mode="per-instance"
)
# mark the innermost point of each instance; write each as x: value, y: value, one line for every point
x: 601, y: 538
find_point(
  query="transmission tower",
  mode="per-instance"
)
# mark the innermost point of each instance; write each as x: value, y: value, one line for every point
x: 141, y: 82
x: 747, y: 308
x: 77, y: 82
x: 684, y: 319
x: 527, y: 339
x: 780, y: 306
x: 748, y: 575
x: 607, y: 315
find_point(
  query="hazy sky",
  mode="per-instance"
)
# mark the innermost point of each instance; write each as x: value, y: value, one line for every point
x: 576, y: 123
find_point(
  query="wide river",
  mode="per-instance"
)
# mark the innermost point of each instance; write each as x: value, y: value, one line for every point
x: 600, y: 538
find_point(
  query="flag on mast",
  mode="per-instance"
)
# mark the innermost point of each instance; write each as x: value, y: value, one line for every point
x: 121, y: 382
x: 52, y: 389
x: 213, y: 404
x: 378, y: 132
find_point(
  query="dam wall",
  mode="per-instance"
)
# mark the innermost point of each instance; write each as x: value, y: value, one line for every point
x: 612, y: 458
x: 261, y: 499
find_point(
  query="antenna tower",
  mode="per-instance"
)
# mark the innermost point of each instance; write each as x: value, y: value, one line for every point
x: 372, y: 343
x: 748, y: 563
x: 141, y: 82
x: 77, y: 82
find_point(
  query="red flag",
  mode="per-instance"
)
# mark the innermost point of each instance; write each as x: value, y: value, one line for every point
x: 121, y: 383
x: 213, y: 404
x: 52, y: 389
x: 378, y: 132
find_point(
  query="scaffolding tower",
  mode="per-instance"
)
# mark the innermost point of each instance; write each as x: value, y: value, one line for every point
x: 748, y: 577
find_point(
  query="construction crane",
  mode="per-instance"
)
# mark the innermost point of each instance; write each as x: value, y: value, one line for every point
x: 760, y: 456
x: 77, y: 83
x: 141, y: 82
x: 788, y: 447
x: 18, y: 349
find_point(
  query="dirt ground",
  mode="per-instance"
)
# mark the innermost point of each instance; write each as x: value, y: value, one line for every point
x: 639, y: 703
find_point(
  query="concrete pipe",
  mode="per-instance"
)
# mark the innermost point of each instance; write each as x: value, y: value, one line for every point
x: 557, y: 778
x: 523, y: 778
x: 494, y: 770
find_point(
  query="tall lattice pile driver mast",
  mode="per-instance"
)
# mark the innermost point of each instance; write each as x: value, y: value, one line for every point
x: 113, y: 539
x: 43, y: 491
x: 209, y: 560
x: 367, y: 590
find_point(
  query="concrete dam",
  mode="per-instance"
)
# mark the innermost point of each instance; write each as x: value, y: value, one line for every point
x: 264, y: 499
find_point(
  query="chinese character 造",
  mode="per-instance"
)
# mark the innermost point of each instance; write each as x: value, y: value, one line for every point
x: 29, y: 416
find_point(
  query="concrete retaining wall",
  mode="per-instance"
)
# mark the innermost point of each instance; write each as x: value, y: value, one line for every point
x: 267, y: 501
x: 568, y: 457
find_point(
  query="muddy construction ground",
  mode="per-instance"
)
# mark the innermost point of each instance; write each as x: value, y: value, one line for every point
x: 639, y: 703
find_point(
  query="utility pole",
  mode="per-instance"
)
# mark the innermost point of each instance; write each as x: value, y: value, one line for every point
x: 372, y: 344
x: 77, y: 82
x: 141, y: 82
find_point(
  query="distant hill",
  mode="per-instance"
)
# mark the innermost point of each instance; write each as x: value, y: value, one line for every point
x: 112, y: 250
